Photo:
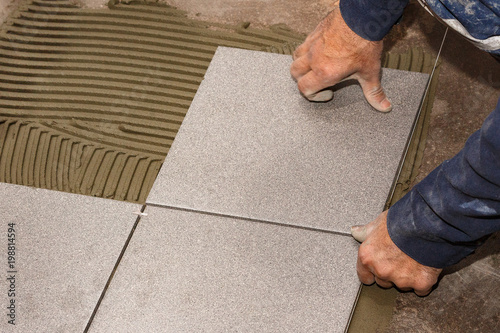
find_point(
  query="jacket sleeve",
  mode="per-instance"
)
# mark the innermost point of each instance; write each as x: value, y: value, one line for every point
x: 451, y: 212
x: 371, y: 19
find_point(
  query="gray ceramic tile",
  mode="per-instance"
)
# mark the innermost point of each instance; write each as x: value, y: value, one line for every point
x: 251, y: 146
x: 192, y: 272
x: 66, y: 246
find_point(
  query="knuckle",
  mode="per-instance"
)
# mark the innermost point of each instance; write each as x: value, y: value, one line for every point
x: 384, y: 272
x: 405, y: 283
x: 377, y: 92
x: 323, y: 71
x: 421, y: 285
x: 299, y: 51
x: 364, y: 256
x: 418, y: 283
x: 427, y: 283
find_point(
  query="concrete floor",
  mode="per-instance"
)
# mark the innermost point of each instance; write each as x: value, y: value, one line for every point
x: 467, y: 299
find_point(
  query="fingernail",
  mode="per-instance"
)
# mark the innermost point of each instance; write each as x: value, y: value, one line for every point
x: 358, y: 232
x: 321, y: 96
x: 385, y: 105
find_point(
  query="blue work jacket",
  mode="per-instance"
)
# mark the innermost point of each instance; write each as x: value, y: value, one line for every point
x: 450, y: 213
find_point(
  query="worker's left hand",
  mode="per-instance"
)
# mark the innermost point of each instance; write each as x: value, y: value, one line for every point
x: 381, y: 261
x: 333, y: 53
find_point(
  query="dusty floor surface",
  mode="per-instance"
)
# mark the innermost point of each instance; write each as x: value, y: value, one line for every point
x: 6, y: 6
x: 467, y: 299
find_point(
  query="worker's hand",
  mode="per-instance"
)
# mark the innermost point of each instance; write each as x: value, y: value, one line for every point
x: 381, y: 261
x: 333, y: 53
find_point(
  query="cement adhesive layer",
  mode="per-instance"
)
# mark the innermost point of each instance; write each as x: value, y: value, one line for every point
x: 91, y: 99
x: 191, y: 272
x: 251, y: 146
x: 63, y: 248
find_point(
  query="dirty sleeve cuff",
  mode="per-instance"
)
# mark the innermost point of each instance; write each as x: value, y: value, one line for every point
x: 452, y: 211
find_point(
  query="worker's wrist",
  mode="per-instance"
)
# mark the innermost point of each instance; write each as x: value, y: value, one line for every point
x: 371, y: 20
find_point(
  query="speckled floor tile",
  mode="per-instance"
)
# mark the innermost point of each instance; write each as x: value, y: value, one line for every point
x: 192, y: 272
x: 58, y: 251
x: 251, y: 146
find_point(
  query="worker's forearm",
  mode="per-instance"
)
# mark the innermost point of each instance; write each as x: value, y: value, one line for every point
x: 371, y: 19
x: 446, y: 216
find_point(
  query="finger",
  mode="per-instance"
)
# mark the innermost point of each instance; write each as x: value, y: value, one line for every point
x: 423, y: 286
x: 364, y: 274
x: 374, y: 93
x: 304, y: 48
x: 301, y: 50
x: 321, y: 96
x: 312, y: 87
x: 300, y: 67
x: 423, y: 292
x: 383, y: 283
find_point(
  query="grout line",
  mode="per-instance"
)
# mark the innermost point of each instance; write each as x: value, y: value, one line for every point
x: 339, y: 233
x: 403, y: 158
x: 125, y: 246
x: 435, y: 64
x: 437, y: 57
x: 353, y: 309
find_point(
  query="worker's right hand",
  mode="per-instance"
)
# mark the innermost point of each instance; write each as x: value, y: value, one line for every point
x: 333, y: 53
x: 381, y: 261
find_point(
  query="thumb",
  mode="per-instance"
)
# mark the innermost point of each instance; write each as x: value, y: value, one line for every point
x: 359, y: 232
x: 374, y: 93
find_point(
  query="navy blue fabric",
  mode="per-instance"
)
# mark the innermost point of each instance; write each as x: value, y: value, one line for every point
x: 448, y: 215
x: 371, y: 19
x: 468, y: 12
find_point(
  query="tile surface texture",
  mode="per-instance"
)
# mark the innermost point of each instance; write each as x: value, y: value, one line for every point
x: 192, y: 272
x: 251, y: 146
x: 66, y: 246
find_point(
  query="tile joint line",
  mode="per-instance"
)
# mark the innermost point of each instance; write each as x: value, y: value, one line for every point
x: 346, y: 330
x: 404, y: 157
x: 339, y: 233
x: 110, y: 278
x: 431, y: 76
